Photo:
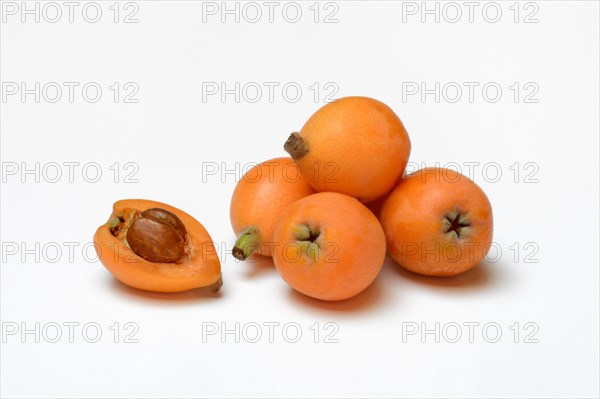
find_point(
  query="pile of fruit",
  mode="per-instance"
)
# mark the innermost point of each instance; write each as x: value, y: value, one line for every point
x: 326, y: 215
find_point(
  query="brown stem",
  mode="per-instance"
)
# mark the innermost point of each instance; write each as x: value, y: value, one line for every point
x: 296, y: 146
x: 216, y: 286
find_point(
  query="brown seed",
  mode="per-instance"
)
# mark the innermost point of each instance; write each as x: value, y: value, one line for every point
x: 164, y: 216
x: 157, y: 235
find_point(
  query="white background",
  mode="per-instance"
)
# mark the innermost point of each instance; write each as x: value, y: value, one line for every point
x: 546, y: 216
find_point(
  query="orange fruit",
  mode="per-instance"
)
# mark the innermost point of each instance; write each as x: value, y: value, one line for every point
x: 356, y: 146
x: 157, y: 247
x: 257, y: 201
x: 437, y: 222
x: 330, y: 246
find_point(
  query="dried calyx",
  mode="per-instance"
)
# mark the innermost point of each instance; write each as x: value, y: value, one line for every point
x: 456, y: 224
x: 155, y: 234
x: 308, y: 240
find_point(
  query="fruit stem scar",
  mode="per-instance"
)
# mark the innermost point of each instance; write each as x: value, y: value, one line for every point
x: 246, y: 244
x: 216, y: 286
x: 296, y: 146
x: 455, y: 222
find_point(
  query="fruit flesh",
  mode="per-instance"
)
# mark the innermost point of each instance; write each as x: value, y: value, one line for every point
x: 437, y: 222
x: 199, y: 266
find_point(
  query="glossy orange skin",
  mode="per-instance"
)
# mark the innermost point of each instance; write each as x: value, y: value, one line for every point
x: 262, y: 194
x: 413, y: 218
x: 200, y: 266
x: 357, y: 146
x: 351, y: 241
